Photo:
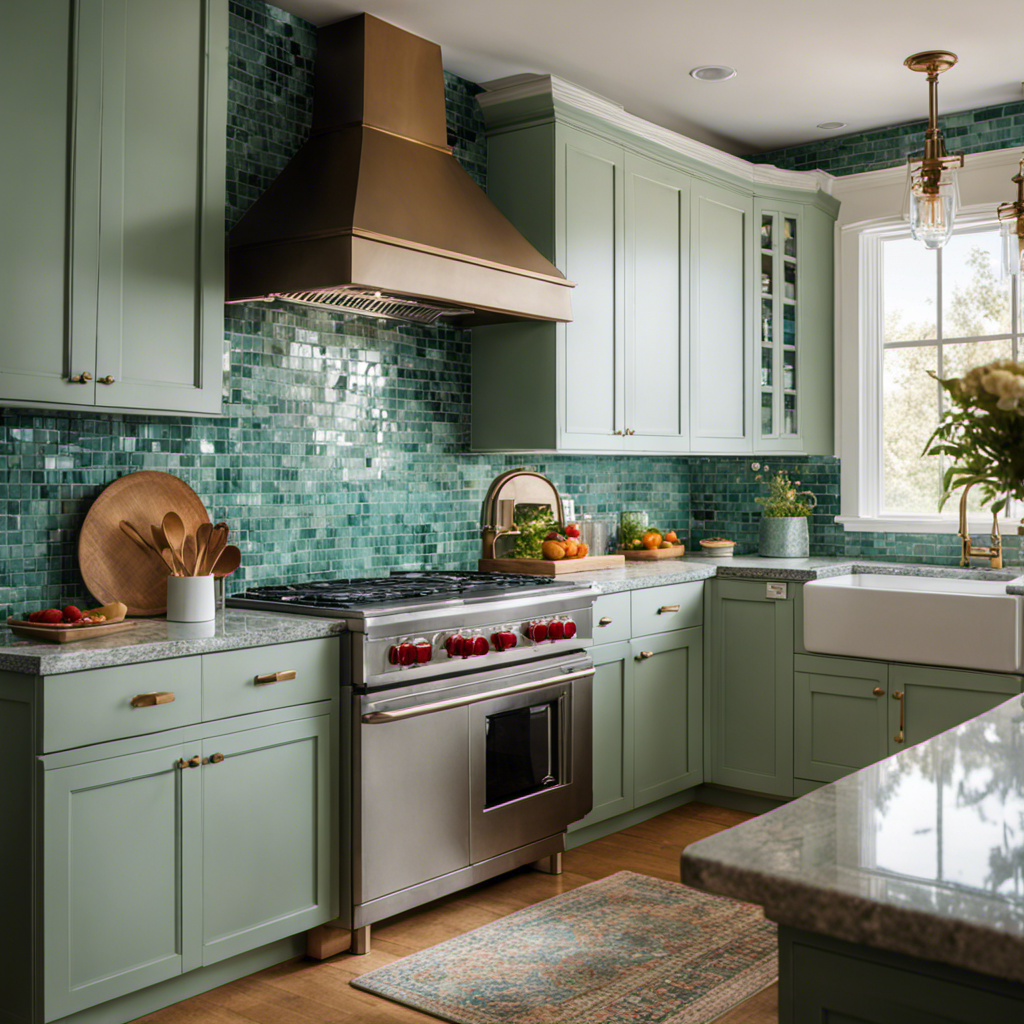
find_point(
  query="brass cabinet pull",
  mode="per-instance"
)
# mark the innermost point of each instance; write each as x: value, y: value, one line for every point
x: 192, y: 762
x: 878, y: 691
x: 645, y: 654
x: 605, y: 620
x: 618, y: 433
x: 105, y: 380
x: 148, y: 700
x: 275, y: 677
x: 630, y: 431
x: 82, y: 378
x: 213, y: 759
x: 899, y: 695
x: 666, y: 608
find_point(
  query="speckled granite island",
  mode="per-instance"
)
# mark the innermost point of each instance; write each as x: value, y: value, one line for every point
x: 899, y: 890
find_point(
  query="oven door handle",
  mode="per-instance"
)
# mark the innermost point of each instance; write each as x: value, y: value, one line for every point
x: 379, y: 717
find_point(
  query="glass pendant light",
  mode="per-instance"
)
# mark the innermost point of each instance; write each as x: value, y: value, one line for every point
x: 1011, y: 217
x: 932, y: 196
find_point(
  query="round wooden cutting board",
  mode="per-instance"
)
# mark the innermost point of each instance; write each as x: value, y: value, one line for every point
x: 113, y: 567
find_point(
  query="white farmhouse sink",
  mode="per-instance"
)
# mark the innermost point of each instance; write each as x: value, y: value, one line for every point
x: 926, y: 620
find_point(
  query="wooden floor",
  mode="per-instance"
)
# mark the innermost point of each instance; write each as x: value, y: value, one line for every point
x: 308, y: 992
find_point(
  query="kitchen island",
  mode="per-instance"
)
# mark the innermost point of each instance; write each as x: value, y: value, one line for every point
x: 898, y: 890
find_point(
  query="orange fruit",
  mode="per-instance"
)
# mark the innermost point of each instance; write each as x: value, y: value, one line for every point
x: 553, y: 550
x: 671, y: 537
x: 571, y: 547
x: 651, y: 540
x: 582, y: 552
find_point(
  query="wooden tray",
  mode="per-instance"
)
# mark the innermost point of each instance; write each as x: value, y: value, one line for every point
x: 113, y: 567
x: 652, y: 554
x: 543, y: 567
x: 59, y: 633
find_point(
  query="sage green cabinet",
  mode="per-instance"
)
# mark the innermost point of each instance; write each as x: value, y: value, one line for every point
x: 668, y: 703
x: 121, y: 876
x: 750, y: 685
x: 720, y: 311
x: 937, y: 699
x: 116, y: 277
x: 840, y: 716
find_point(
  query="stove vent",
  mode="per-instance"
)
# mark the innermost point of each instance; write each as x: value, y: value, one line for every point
x: 367, y: 302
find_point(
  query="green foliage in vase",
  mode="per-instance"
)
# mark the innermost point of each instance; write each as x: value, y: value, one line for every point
x: 982, y: 432
x: 783, y: 500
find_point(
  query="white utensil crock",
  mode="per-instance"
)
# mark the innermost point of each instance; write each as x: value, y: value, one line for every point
x: 190, y: 599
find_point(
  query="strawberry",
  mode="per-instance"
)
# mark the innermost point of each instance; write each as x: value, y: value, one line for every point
x: 71, y: 613
x: 51, y: 616
x: 35, y: 616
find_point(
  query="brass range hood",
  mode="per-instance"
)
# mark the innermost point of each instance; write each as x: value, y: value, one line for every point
x: 374, y: 215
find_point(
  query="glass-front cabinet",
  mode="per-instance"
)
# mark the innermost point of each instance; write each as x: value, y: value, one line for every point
x: 779, y: 325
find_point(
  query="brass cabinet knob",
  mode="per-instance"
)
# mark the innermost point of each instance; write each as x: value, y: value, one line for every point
x: 105, y: 380
x: 878, y: 691
x: 82, y: 378
x: 213, y: 759
x: 605, y: 620
x: 191, y: 762
x: 644, y: 655
x: 618, y: 433
x: 898, y: 738
x: 630, y: 431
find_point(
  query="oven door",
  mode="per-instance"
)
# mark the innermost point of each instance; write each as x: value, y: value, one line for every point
x: 529, y: 764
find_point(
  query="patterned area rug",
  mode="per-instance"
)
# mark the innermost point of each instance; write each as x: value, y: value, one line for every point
x: 627, y: 949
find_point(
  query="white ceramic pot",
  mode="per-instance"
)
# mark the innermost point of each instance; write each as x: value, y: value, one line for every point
x: 190, y: 599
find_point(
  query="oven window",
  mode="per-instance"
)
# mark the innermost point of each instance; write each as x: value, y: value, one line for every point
x: 522, y: 752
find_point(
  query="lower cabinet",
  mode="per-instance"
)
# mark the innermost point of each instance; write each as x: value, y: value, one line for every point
x: 751, y: 686
x: 175, y: 857
x: 647, y: 721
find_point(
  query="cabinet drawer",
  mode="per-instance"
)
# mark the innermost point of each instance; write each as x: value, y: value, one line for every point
x: 611, y: 618
x: 230, y: 684
x: 94, y: 706
x: 660, y: 609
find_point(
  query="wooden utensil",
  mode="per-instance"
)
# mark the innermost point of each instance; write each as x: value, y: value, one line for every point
x: 230, y: 559
x: 188, y: 553
x: 202, y: 541
x: 218, y: 540
x: 115, y: 571
x: 129, y: 531
x: 174, y: 531
x: 162, y: 549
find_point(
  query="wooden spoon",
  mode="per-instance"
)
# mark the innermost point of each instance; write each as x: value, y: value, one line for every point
x: 230, y: 559
x: 203, y: 533
x: 163, y: 548
x: 188, y: 554
x: 218, y: 539
x: 174, y: 531
x: 128, y: 530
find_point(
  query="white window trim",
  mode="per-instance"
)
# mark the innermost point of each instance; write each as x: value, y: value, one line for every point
x: 984, y: 183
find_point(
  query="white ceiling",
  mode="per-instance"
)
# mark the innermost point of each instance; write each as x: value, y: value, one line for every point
x: 800, y: 62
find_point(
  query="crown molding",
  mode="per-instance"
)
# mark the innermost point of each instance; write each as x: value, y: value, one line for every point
x: 995, y: 158
x: 522, y: 87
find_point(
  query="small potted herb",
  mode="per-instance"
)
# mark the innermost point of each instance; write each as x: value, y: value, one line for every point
x: 783, y: 531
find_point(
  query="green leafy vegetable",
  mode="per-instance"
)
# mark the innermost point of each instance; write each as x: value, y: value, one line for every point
x: 534, y: 523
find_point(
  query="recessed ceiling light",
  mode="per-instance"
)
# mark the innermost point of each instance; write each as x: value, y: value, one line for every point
x: 713, y: 73
x: 831, y: 126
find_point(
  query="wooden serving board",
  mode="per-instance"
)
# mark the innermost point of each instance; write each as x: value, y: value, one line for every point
x: 652, y: 554
x: 544, y: 567
x: 115, y: 568
x: 66, y: 634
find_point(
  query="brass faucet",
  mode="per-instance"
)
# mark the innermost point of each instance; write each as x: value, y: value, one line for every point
x: 994, y: 552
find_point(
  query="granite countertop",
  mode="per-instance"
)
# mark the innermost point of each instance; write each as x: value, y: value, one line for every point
x: 156, y: 639
x: 921, y: 853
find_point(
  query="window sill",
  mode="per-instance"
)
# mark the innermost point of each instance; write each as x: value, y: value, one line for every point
x: 923, y: 524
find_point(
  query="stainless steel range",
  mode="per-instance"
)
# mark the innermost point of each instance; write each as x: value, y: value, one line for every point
x: 466, y: 729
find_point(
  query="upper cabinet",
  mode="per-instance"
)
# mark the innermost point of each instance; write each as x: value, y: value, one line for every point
x: 678, y: 343
x: 112, y: 276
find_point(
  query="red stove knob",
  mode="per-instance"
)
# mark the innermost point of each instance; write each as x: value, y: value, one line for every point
x: 569, y: 629
x: 403, y: 654
x: 424, y: 651
x: 537, y: 631
x: 504, y: 639
x: 476, y: 646
x: 393, y: 657
x: 454, y: 644
x: 556, y: 629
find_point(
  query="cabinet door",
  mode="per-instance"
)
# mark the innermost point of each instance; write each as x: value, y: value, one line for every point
x: 160, y: 316
x: 751, y: 688
x: 591, y: 251
x: 657, y: 375
x: 936, y: 699
x: 720, y: 315
x: 38, y: 351
x: 121, y: 860
x: 612, y: 733
x: 668, y: 703
x: 268, y: 813
x: 840, y: 716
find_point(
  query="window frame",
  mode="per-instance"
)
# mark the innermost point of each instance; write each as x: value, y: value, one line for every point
x: 859, y: 380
